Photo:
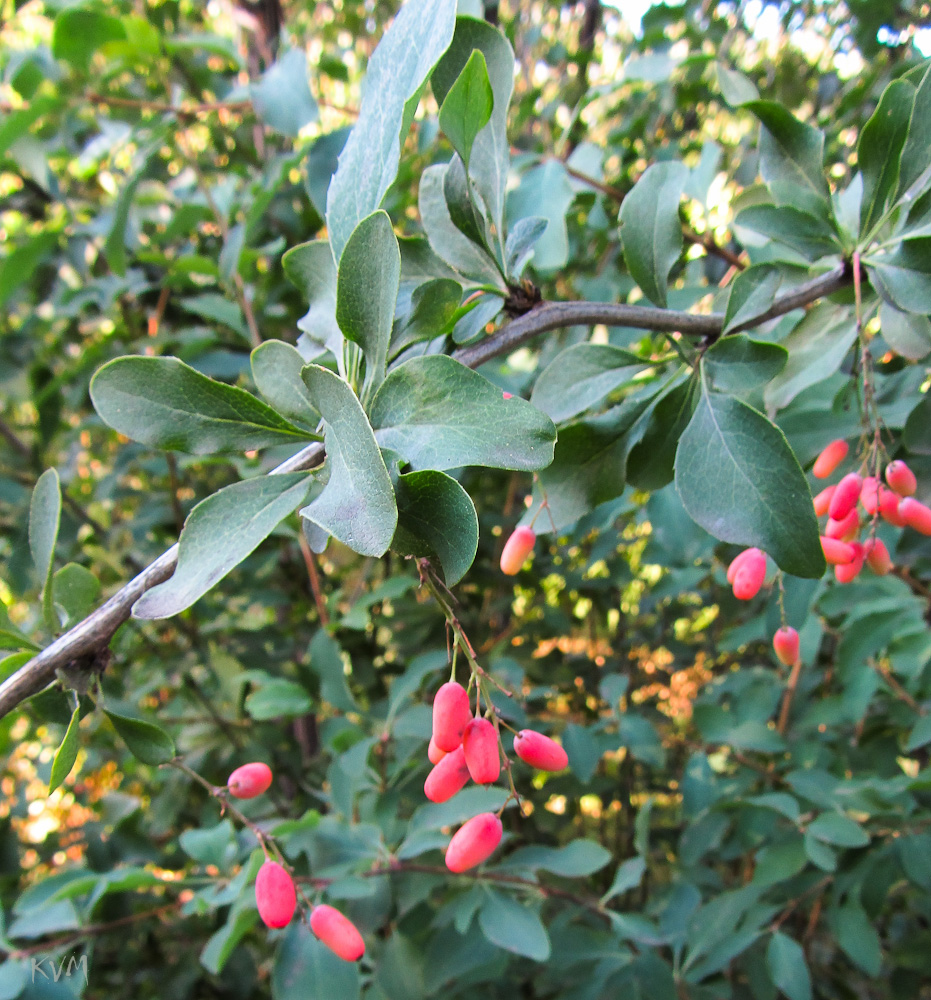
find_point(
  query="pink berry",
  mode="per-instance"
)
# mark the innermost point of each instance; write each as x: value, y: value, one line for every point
x: 506, y: 395
x: 473, y: 842
x: 850, y: 570
x: 739, y: 561
x: 836, y: 552
x: 480, y: 743
x: 451, y: 714
x: 785, y: 643
x: 337, y: 932
x: 750, y: 575
x: 870, y: 494
x: 540, y: 751
x: 877, y: 556
x: 845, y: 496
x: 250, y: 780
x: 275, y: 896
x: 901, y: 478
x: 516, y: 550
x: 890, y: 507
x: 823, y: 501
x: 830, y: 459
x: 916, y: 515
x: 448, y: 777
x: 434, y: 753
x: 846, y: 528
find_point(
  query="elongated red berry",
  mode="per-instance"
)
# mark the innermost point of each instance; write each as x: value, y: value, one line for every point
x: 850, y: 570
x: 830, y: 459
x: 845, y: 496
x: 870, y: 493
x: 275, y: 896
x: 451, y: 714
x: 890, y: 507
x: 540, y: 751
x: 249, y: 780
x: 877, y: 556
x: 846, y: 528
x: 823, y: 501
x: 434, y: 753
x: 750, y: 575
x: 448, y: 777
x: 473, y: 842
x: 480, y: 743
x: 836, y: 552
x: 516, y: 549
x: 739, y: 561
x: 337, y: 932
x: 916, y: 515
x: 785, y: 643
x: 901, y: 478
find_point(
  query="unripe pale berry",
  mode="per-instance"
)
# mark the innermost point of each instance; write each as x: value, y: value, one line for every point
x: 473, y: 842
x: 750, y: 575
x: 451, y: 714
x: 849, y: 571
x: 901, y: 478
x: 249, y: 780
x: 337, y: 932
x: 836, y: 552
x: 916, y: 515
x: 448, y: 777
x: 540, y: 751
x: 846, y: 528
x: 480, y: 743
x: 516, y: 549
x: 275, y: 896
x: 434, y: 753
x: 877, y: 556
x: 845, y: 496
x: 823, y: 501
x: 830, y: 459
x: 785, y: 643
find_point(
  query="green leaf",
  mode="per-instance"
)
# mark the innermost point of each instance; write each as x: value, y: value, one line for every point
x: 522, y: 236
x: 357, y: 504
x: 817, y: 348
x: 368, y: 165
x: 857, y: 937
x: 513, y: 926
x: 433, y: 311
x: 367, y: 290
x: 115, y: 246
x: 786, y: 963
x: 79, y: 32
x: 838, y: 829
x: 578, y: 859
x: 438, y: 414
x: 304, y: 967
x: 654, y: 438
x: 163, y: 403
x: 67, y: 753
x: 467, y: 106
x: 908, y: 334
x: 14, y: 976
x: 920, y: 734
x: 44, y: 519
x: 436, y: 518
x: 545, y: 191
x: 276, y: 370
x: 737, y: 363
x: 217, y: 309
x: 791, y: 157
x: 326, y: 661
x: 19, y: 265
x: 628, y: 876
x: 146, y: 741
x: 802, y: 232
x: 916, y: 153
x: 650, y: 229
x: 581, y: 376
x: 218, y: 534
x: 879, y: 149
x: 739, y: 480
x: 282, y: 97
x: 310, y: 267
x: 465, y: 214
x: 752, y: 293
x: 221, y: 944
x: 74, y: 591
x: 278, y: 699
x: 903, y: 277
x: 735, y: 88
x: 211, y: 845
x: 915, y: 433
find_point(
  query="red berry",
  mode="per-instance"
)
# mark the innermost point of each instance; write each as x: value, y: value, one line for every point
x: 249, y: 780
x: 473, y: 842
x: 434, y: 753
x: 274, y: 895
x: 850, y: 570
x: 901, y: 478
x: 836, y: 552
x: 507, y: 395
x: 750, y: 575
x: 540, y: 751
x: 448, y: 777
x: 845, y: 496
x: 451, y: 714
x: 480, y: 743
x: 890, y: 507
x: 337, y: 932
x: 516, y: 549
x: 737, y: 562
x: 870, y: 494
x: 830, y: 459
x: 916, y: 515
x: 785, y: 643
x: 846, y: 528
x: 877, y: 556
x: 823, y: 501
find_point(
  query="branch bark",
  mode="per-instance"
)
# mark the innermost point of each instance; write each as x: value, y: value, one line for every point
x: 96, y: 631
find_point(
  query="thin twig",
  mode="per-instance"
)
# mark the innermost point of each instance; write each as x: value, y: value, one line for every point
x: 190, y: 111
